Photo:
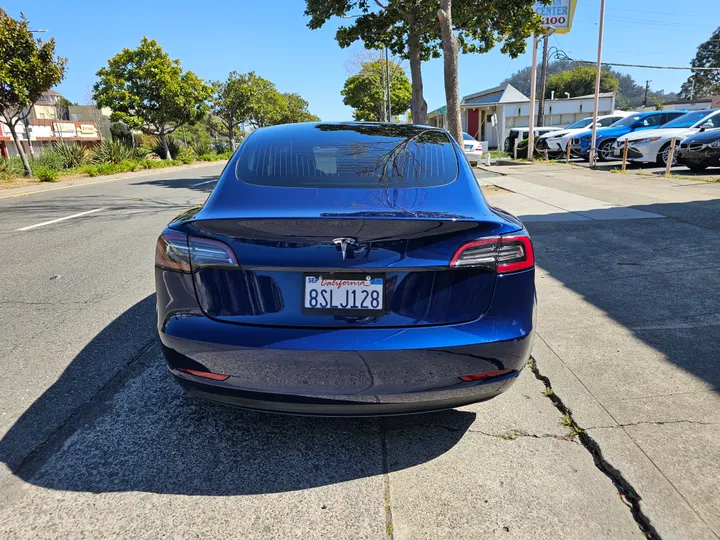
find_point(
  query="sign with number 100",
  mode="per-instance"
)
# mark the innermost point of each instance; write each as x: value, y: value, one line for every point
x: 558, y: 14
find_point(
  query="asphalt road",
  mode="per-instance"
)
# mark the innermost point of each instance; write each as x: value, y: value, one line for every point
x: 97, y: 441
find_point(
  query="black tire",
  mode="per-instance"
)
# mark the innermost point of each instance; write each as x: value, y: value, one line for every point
x: 697, y: 168
x: 605, y: 150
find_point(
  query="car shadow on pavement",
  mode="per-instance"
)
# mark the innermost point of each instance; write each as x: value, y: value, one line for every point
x: 141, y: 432
x: 655, y: 278
x: 202, y: 183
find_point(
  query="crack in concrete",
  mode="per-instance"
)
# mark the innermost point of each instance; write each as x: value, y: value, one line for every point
x: 658, y: 423
x: 517, y: 434
x: 626, y: 491
x: 386, y: 479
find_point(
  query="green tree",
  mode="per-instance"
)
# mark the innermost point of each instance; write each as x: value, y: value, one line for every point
x: 580, y: 81
x: 703, y: 83
x: 407, y: 27
x: 230, y: 103
x: 27, y: 69
x: 296, y: 110
x: 366, y: 91
x: 477, y: 26
x: 147, y: 90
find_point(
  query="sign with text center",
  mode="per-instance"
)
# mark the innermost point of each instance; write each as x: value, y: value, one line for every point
x: 558, y: 14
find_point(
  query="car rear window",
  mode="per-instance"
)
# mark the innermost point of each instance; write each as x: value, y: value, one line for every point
x: 347, y: 155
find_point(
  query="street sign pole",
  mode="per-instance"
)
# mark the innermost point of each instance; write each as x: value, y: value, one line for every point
x: 533, y: 83
x: 598, y: 67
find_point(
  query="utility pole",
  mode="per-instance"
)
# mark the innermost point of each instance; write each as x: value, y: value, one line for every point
x: 647, y: 86
x: 387, y: 82
x: 543, y: 79
x: 598, y: 68
x: 533, y: 84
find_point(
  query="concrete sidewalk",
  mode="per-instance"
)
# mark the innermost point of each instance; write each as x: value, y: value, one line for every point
x: 629, y: 326
x: 533, y: 202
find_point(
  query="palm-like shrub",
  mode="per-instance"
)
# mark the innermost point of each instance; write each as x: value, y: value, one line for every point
x: 172, y: 146
x: 10, y: 168
x: 72, y: 154
x: 112, y: 152
x: 201, y: 148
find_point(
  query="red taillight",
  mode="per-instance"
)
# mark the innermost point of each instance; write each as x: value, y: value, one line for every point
x: 481, y: 376
x: 502, y: 254
x: 205, y: 374
x: 183, y: 253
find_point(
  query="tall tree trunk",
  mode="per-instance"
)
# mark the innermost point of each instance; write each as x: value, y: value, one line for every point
x: 231, y: 136
x: 450, y: 60
x: 418, y: 105
x: 166, y: 148
x: 21, y: 151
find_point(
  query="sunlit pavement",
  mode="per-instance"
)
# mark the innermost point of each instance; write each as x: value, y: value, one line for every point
x: 99, y: 442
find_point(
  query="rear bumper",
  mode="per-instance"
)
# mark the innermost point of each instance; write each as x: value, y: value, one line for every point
x: 356, y: 372
x: 340, y: 405
x: 473, y: 154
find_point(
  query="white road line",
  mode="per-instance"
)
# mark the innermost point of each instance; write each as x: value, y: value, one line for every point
x: 205, y: 182
x: 58, y: 220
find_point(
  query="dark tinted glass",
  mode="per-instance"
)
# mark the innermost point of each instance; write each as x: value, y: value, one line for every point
x: 348, y: 155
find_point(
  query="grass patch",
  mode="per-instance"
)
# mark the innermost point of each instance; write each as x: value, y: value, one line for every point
x: 46, y: 174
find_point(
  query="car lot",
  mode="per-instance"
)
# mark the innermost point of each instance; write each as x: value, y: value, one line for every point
x: 98, y: 441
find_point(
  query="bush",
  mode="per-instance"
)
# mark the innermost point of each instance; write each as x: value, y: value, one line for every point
x: 10, y: 168
x: 112, y: 152
x: 201, y: 148
x: 221, y: 147
x: 90, y: 170
x: 186, y: 155
x: 225, y: 155
x: 172, y: 146
x: 73, y: 155
x: 45, y: 173
x: 48, y: 160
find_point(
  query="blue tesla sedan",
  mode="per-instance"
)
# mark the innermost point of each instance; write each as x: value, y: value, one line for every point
x: 346, y: 269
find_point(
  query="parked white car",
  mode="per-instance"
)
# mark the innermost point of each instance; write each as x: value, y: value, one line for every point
x: 472, y: 148
x: 556, y: 142
x: 522, y: 133
x: 653, y: 145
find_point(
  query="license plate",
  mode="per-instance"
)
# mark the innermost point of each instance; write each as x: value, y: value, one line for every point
x: 356, y: 294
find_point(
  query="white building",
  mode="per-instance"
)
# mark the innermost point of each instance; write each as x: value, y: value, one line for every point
x: 512, y: 109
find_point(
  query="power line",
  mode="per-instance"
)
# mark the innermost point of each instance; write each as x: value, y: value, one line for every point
x: 559, y: 54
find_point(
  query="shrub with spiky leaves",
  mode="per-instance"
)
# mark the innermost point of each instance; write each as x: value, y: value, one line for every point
x: 73, y: 155
x: 112, y: 152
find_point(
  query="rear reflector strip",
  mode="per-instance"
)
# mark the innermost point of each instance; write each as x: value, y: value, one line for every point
x: 205, y: 374
x: 488, y: 375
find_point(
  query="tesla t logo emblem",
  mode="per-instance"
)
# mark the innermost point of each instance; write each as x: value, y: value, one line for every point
x: 344, y: 243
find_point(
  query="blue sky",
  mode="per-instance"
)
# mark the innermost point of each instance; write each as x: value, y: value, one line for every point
x: 270, y: 37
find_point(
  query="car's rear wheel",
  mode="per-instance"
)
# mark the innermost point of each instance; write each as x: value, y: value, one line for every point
x: 605, y: 151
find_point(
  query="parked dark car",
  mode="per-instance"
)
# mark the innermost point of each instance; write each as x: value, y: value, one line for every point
x: 346, y: 269
x: 700, y: 151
